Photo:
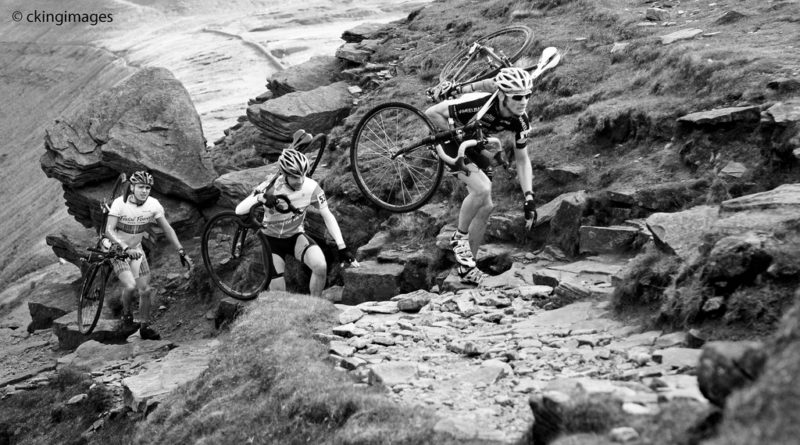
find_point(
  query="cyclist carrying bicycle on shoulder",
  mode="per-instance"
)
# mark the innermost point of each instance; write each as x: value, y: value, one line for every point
x: 128, y: 218
x: 283, y: 222
x: 501, y: 107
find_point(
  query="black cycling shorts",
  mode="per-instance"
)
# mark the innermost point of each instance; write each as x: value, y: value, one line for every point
x: 471, y: 155
x: 285, y: 246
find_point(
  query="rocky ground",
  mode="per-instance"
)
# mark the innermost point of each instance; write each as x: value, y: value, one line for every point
x: 475, y: 355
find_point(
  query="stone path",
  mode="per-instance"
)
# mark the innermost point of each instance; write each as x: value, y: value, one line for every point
x: 476, y: 356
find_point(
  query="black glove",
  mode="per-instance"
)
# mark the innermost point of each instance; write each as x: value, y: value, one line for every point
x: 345, y: 256
x: 269, y: 199
x: 186, y: 260
x: 530, y: 213
x: 500, y: 158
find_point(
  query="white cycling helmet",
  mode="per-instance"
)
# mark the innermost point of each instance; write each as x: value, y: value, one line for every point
x: 292, y: 162
x: 141, y: 177
x: 514, y: 81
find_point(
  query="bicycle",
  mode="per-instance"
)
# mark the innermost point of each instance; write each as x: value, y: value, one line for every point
x: 487, y: 55
x: 388, y: 166
x: 96, y: 276
x: 93, y: 289
x: 235, y: 253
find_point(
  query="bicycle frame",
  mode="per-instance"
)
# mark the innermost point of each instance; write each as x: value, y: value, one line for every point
x: 492, y: 58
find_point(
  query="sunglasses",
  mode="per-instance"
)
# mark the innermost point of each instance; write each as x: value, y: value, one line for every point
x: 519, y: 97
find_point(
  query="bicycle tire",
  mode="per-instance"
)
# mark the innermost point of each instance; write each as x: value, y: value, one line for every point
x: 464, y: 68
x: 392, y: 183
x: 90, y: 301
x: 236, y: 255
x: 116, y: 191
x: 314, y: 150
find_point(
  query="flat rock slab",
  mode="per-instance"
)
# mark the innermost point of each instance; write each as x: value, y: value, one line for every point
x: 683, y: 231
x: 372, y: 281
x: 181, y: 365
x: 94, y: 355
x: 613, y: 239
x: 723, y: 116
x: 106, y: 331
x: 678, y: 357
x: 590, y: 270
x: 581, y: 315
x: 683, y: 34
x: 393, y: 373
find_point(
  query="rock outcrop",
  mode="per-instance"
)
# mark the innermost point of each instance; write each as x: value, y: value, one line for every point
x: 315, y: 111
x: 146, y: 122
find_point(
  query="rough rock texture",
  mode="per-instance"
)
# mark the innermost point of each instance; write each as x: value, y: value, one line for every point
x: 316, y: 72
x: 763, y: 412
x: 315, y: 111
x: 726, y: 367
x: 146, y: 122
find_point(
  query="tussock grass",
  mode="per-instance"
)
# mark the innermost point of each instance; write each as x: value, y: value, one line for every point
x: 270, y: 383
x: 645, y: 279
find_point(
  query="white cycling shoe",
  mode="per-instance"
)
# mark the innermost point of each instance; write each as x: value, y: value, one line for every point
x: 460, y: 245
x: 473, y: 276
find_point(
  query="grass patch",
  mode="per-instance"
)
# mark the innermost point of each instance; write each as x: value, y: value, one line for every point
x: 645, y: 279
x: 271, y: 383
x: 41, y: 416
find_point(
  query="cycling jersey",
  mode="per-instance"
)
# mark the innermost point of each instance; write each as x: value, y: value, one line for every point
x: 133, y: 220
x: 284, y: 225
x: 464, y: 108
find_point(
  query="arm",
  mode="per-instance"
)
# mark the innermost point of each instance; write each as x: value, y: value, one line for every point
x: 247, y: 203
x: 333, y: 226
x: 524, y: 170
x: 169, y: 232
x: 484, y: 86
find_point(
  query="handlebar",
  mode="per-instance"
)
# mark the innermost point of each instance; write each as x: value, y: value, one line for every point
x: 255, y: 219
x: 98, y: 255
x: 458, y: 134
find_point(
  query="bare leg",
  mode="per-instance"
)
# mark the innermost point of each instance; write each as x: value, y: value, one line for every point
x: 315, y: 260
x: 145, y: 292
x: 128, y: 289
x: 278, y: 283
x: 476, y: 208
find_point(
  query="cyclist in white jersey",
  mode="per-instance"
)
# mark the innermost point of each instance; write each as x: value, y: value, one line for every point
x: 130, y: 215
x: 284, y: 227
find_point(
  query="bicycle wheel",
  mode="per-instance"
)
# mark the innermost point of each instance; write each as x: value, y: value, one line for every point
x: 395, y: 183
x: 314, y: 151
x: 236, y: 256
x: 511, y: 42
x: 116, y: 191
x: 90, y: 302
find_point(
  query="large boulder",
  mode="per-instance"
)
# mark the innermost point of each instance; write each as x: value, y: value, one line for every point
x: 315, y: 111
x: 84, y: 204
x: 146, y: 122
x: 316, y: 72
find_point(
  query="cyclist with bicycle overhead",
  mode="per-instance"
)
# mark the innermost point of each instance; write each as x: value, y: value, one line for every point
x: 502, y: 109
x: 283, y: 222
x: 128, y: 218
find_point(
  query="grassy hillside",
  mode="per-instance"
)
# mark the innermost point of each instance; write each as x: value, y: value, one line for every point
x: 612, y: 104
